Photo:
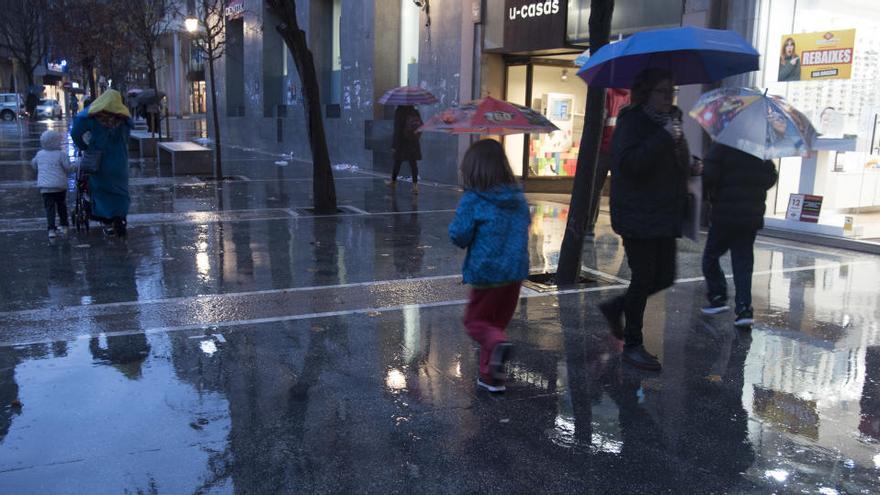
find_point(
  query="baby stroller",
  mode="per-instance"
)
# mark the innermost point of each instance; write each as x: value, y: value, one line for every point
x: 82, y: 209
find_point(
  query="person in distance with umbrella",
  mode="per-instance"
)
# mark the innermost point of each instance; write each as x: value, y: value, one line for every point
x: 406, y: 146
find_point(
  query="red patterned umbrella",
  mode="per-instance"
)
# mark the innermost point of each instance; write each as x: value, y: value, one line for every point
x: 407, y: 95
x: 489, y: 116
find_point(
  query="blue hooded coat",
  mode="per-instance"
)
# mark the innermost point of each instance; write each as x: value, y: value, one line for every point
x: 109, y: 187
x: 494, y: 227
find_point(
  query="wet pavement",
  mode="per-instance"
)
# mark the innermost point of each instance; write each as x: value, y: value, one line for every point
x: 234, y: 343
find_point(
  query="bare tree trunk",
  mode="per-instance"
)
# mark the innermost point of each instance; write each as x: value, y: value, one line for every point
x: 151, y: 73
x: 218, y: 167
x: 569, y: 268
x: 323, y: 187
x: 90, y: 73
x: 154, y: 119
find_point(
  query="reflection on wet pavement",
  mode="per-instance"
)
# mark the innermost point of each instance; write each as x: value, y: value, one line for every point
x: 235, y: 345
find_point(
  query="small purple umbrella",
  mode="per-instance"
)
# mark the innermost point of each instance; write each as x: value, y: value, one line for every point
x: 407, y: 95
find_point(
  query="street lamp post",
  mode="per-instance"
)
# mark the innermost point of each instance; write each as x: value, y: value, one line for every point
x: 191, y: 24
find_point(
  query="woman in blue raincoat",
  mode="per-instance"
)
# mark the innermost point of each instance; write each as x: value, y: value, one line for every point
x: 105, y: 126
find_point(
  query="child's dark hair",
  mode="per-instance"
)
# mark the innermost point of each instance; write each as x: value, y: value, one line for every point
x: 485, y: 166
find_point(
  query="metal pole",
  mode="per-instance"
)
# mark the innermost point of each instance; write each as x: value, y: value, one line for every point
x: 167, y: 125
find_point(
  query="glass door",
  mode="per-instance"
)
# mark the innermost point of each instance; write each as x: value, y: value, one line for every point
x: 515, y: 92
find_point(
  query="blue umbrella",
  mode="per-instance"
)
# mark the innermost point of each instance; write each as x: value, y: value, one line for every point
x: 693, y: 55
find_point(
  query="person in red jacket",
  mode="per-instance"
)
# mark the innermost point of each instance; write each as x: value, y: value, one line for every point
x: 615, y: 99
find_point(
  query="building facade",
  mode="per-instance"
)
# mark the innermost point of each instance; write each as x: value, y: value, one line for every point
x: 361, y: 49
x: 525, y: 51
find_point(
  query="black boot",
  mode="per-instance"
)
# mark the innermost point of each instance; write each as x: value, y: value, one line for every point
x: 638, y: 357
x: 613, y: 312
x: 119, y: 225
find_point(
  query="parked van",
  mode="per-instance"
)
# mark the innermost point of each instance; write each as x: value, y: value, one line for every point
x: 11, y: 106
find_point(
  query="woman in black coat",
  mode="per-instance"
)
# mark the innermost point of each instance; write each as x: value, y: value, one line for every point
x: 405, y: 142
x: 648, y: 203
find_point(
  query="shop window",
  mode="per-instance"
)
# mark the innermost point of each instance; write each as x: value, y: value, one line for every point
x: 335, y: 96
x: 560, y: 96
x: 197, y: 98
x: 409, y: 43
x: 629, y: 17
x: 845, y: 110
x: 274, y: 65
x: 553, y: 89
x: 234, y: 58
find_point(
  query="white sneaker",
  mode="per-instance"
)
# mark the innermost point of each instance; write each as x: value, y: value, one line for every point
x: 52, y: 234
x: 62, y: 230
x: 494, y: 386
x: 716, y: 305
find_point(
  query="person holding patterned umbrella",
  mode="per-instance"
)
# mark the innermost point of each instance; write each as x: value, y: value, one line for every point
x: 407, y: 121
x: 749, y: 129
x: 405, y: 144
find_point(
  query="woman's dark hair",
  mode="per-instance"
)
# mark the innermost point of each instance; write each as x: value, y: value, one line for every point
x: 485, y: 166
x: 646, y: 81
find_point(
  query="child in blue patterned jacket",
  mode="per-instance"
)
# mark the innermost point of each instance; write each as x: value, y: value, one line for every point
x: 492, y: 222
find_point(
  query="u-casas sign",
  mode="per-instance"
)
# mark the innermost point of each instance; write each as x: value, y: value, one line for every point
x: 533, y: 9
x: 534, y: 25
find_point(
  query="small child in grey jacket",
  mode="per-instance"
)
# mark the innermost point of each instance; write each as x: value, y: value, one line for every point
x: 52, y: 166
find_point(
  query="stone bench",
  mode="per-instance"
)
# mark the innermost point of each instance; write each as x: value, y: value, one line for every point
x: 144, y: 143
x: 185, y: 158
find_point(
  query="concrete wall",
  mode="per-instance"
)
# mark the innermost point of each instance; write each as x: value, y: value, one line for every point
x: 440, y: 67
x: 345, y: 134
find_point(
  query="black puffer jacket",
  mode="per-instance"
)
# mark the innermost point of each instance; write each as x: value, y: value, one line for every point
x: 648, y: 178
x: 736, y: 185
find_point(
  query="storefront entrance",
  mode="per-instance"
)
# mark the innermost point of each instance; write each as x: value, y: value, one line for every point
x: 529, y: 49
x: 550, y: 85
x: 197, y: 97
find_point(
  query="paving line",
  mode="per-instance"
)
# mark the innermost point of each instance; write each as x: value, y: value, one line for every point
x: 122, y: 304
x: 37, y: 223
x: 783, y: 270
x: 808, y: 250
x: 308, y: 316
x: 604, y: 275
x: 355, y: 209
x: 305, y: 179
x: 621, y: 283
x: 134, y: 182
x: 382, y: 309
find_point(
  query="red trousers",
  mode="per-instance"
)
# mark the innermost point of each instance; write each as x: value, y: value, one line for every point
x: 487, y: 315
